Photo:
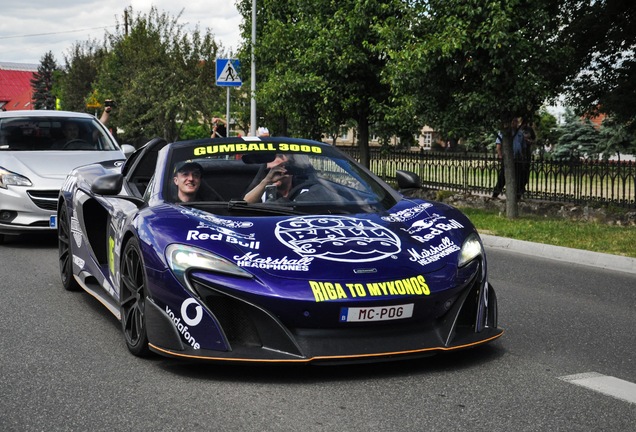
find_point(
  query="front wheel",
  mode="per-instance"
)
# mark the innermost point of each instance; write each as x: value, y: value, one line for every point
x: 133, y: 300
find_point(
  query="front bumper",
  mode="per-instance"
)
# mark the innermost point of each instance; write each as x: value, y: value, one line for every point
x: 254, y: 334
x: 25, y: 211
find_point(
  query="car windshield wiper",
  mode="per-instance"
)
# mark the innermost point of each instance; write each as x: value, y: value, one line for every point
x: 262, y: 207
x: 237, y: 203
x: 205, y: 203
x: 241, y: 206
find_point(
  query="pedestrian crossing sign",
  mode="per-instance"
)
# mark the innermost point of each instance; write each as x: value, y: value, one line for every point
x: 227, y: 73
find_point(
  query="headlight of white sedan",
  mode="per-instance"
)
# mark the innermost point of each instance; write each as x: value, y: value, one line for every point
x: 8, y: 178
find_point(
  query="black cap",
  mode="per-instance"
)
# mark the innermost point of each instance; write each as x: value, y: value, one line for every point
x: 188, y: 165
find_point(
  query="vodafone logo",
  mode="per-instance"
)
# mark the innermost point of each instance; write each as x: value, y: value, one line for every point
x: 189, y: 321
x: 198, y: 312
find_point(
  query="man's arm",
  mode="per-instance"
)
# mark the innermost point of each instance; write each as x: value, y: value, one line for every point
x: 274, y: 176
x: 105, y: 116
x: 106, y: 113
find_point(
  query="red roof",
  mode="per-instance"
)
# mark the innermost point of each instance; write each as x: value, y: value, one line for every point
x: 15, y: 89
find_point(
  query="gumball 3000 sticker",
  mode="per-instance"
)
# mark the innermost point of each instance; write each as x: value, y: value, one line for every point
x: 338, y: 238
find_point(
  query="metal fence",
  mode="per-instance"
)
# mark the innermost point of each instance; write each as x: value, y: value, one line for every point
x: 576, y: 181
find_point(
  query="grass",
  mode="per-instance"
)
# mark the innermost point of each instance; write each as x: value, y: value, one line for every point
x: 596, y: 237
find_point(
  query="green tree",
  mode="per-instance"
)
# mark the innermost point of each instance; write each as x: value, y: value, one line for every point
x: 471, y: 64
x: 480, y: 141
x: 320, y: 64
x: 160, y: 76
x: 547, y: 131
x: 579, y: 138
x: 616, y: 138
x: 603, y: 35
x: 82, y: 65
x: 43, y: 83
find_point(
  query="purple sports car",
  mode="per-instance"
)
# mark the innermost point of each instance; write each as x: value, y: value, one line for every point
x: 271, y: 250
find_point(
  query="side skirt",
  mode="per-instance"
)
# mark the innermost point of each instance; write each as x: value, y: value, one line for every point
x: 97, y: 292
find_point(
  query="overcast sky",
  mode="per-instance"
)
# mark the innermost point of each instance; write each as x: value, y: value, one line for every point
x: 31, y: 28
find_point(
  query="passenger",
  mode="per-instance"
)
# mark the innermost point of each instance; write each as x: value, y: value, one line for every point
x: 190, y: 184
x: 187, y: 177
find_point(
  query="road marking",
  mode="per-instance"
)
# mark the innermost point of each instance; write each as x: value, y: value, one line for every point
x: 608, y: 385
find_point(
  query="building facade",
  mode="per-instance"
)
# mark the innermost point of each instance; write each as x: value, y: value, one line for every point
x: 15, y: 86
x: 426, y: 139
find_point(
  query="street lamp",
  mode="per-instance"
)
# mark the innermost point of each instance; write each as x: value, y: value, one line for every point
x: 253, y: 79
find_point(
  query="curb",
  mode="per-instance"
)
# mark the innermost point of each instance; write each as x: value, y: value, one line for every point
x: 559, y: 253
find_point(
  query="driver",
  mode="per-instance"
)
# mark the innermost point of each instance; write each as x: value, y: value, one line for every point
x: 277, y: 177
x: 70, y: 132
x: 289, y: 176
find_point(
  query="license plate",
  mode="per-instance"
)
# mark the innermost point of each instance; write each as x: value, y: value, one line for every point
x: 379, y: 313
x: 53, y: 221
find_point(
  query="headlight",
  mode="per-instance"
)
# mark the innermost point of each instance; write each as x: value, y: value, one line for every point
x: 181, y: 258
x: 10, y: 178
x: 470, y: 250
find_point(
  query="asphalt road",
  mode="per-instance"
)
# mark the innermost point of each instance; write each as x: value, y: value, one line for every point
x: 64, y: 365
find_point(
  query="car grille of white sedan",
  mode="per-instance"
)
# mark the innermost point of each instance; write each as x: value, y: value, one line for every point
x: 45, y: 199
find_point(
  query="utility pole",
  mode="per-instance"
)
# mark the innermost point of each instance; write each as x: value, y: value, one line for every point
x: 253, y: 77
x: 126, y: 22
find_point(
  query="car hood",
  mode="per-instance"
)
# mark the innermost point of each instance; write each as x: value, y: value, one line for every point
x: 415, y: 237
x: 52, y: 165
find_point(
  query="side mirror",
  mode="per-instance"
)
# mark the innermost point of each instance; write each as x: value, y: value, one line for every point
x: 127, y: 149
x: 109, y: 184
x: 407, y: 180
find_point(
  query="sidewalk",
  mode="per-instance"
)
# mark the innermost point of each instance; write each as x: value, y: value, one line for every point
x: 559, y: 253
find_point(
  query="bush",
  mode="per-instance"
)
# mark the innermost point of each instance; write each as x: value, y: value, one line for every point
x: 194, y: 131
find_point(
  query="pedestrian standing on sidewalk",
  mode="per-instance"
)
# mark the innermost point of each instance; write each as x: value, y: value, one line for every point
x: 521, y: 162
x: 219, y: 128
x: 529, y: 138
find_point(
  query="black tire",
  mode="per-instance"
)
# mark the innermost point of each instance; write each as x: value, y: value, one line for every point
x: 133, y: 300
x: 65, y: 251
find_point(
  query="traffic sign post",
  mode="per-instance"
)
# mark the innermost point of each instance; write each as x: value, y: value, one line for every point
x: 227, y: 75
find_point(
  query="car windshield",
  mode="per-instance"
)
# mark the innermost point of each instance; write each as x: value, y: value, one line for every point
x: 296, y: 177
x: 53, y: 133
